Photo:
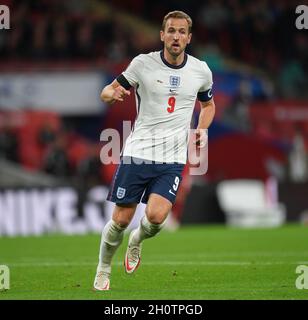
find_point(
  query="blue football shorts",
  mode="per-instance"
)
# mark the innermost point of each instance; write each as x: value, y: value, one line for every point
x: 135, y: 180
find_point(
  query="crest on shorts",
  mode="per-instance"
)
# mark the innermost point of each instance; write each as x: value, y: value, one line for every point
x: 175, y: 81
x: 121, y: 193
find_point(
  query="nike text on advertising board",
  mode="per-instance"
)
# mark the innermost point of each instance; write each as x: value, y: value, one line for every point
x: 301, y: 21
x: 4, y: 17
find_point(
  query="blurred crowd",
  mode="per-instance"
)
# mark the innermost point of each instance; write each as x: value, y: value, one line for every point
x: 259, y: 33
x: 63, y: 30
x: 42, y: 141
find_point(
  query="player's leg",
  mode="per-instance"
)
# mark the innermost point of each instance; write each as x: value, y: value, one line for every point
x: 113, y: 231
x: 111, y: 239
x: 156, y: 212
x: 159, y: 196
x: 126, y: 191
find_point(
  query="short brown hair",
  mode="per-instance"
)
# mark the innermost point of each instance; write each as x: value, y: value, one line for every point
x: 177, y: 15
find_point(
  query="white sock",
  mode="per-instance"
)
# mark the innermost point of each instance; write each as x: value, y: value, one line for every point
x: 112, y: 237
x: 145, y: 230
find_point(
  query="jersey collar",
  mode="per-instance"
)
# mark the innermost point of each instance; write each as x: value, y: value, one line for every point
x: 171, y: 65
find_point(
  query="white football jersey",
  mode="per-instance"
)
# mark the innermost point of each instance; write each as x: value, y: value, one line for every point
x: 165, y: 99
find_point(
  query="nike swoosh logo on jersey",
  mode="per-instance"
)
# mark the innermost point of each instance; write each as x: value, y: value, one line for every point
x: 171, y: 90
x: 159, y: 81
x: 171, y: 192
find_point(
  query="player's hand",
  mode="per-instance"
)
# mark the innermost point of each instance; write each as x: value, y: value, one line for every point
x: 201, y: 138
x: 120, y: 93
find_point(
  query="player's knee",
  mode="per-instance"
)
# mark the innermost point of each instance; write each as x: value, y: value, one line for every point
x: 122, y: 222
x: 121, y: 218
x: 155, y: 216
x: 123, y: 215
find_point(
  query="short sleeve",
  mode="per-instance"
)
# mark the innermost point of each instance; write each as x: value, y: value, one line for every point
x: 131, y: 76
x: 205, y: 91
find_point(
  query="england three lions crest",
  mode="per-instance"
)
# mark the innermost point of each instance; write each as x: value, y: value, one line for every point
x: 121, y: 193
x: 175, y: 81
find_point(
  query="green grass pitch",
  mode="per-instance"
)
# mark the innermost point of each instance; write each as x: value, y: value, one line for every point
x: 194, y: 262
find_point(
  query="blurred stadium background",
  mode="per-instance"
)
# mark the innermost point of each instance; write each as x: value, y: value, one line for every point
x: 58, y: 55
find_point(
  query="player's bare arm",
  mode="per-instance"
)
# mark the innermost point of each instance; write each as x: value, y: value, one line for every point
x: 205, y: 119
x: 114, y: 92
